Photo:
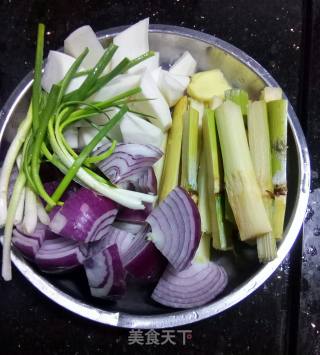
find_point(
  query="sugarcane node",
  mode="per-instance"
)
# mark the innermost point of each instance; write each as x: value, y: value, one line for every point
x: 270, y: 193
x: 280, y: 146
x: 280, y: 190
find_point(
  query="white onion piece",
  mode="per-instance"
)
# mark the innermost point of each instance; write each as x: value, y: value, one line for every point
x: 135, y: 129
x: 192, y: 287
x: 56, y: 68
x: 132, y: 42
x: 127, y: 160
x: 185, y: 65
x: 176, y: 229
x: 80, y: 39
x: 172, y: 86
x: 157, y: 108
x: 105, y: 273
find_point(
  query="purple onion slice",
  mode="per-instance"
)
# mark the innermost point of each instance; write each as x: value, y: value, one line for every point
x: 192, y: 287
x: 176, y: 229
x: 144, y: 181
x: 82, y: 215
x: 127, y: 160
x: 105, y: 273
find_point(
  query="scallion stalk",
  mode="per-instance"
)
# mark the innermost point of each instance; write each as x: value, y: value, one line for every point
x: 240, y: 181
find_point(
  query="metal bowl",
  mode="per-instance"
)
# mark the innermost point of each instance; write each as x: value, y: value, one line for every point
x: 137, y: 310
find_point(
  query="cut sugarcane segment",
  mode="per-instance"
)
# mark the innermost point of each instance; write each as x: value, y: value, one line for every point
x: 259, y: 143
x: 277, y: 117
x: 82, y: 38
x: 56, y: 68
x: 203, y: 253
x: 172, y: 86
x: 215, y: 102
x: 135, y: 129
x: 203, y: 197
x: 190, y: 151
x: 228, y: 211
x: 220, y: 229
x: 71, y: 136
x: 204, y: 85
x: 211, y: 152
x: 270, y: 94
x: 199, y: 106
x: 132, y: 42
x: 239, y: 97
x: 159, y: 165
x: 185, y: 65
x: 150, y: 64
x: 86, y: 134
x: 173, y: 152
x: 154, y: 104
x: 240, y: 181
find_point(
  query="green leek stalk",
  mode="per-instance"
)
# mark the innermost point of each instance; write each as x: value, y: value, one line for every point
x: 259, y: 143
x: 190, y: 152
x: 221, y: 233
x: 277, y: 116
x: 240, y: 181
x: 271, y: 94
x: 173, y: 152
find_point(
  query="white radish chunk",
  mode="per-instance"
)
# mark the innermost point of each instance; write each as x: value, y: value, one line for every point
x: 150, y: 64
x: 172, y: 86
x: 56, y: 68
x: 135, y: 129
x: 154, y: 103
x: 185, y: 65
x: 156, y: 73
x: 80, y: 39
x: 71, y: 136
x: 86, y: 134
x: 132, y: 42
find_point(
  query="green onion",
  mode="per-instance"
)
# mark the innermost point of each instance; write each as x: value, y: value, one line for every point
x: 48, y: 111
x: 259, y: 143
x: 103, y: 156
x: 240, y: 181
x: 140, y: 59
x: 36, y: 86
x: 277, y: 117
x: 14, y: 202
x: 173, y: 152
x: 84, y: 155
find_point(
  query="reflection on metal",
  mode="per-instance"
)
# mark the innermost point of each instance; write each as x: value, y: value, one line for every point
x: 242, y: 71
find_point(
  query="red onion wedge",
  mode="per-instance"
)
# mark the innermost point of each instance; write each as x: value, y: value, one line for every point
x: 132, y: 216
x: 132, y: 228
x: 143, y: 260
x: 29, y: 244
x: 176, y: 229
x: 192, y: 287
x: 144, y: 181
x: 127, y: 160
x: 105, y: 273
x: 82, y: 215
x: 58, y: 254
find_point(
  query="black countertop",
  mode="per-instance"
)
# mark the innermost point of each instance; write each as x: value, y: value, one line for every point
x: 283, y: 316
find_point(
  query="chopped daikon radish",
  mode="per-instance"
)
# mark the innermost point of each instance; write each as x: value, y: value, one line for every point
x: 78, y: 40
x: 86, y: 134
x: 135, y: 129
x: 185, y: 65
x: 56, y: 68
x: 132, y: 42
x: 71, y: 136
x: 154, y: 104
x: 156, y: 75
x: 150, y: 64
x: 172, y: 86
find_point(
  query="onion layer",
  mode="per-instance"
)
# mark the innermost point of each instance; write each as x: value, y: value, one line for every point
x: 176, y: 229
x: 192, y: 287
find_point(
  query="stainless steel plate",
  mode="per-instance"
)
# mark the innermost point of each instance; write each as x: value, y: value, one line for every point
x: 136, y: 310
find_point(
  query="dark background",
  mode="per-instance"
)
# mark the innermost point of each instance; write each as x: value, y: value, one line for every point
x: 283, y: 316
